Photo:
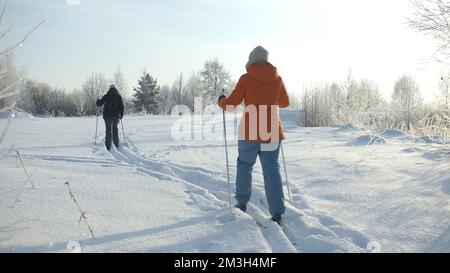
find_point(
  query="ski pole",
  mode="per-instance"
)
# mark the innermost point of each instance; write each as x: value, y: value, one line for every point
x: 123, y: 131
x: 285, y: 171
x: 226, y: 154
x: 96, y: 128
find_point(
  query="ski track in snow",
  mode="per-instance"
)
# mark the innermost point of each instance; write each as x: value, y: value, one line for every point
x: 155, y: 194
x: 204, y: 198
x: 313, y: 232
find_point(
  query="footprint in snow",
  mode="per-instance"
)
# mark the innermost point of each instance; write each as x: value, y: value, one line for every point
x: 199, y: 197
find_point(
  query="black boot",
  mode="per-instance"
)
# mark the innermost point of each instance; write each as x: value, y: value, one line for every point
x: 242, y: 207
x: 277, y: 218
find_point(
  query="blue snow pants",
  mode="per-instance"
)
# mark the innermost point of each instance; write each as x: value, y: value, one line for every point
x: 248, y: 152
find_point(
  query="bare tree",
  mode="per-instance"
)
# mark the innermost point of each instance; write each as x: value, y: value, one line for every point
x: 11, y: 48
x: 177, y: 90
x: 295, y: 100
x: 118, y: 79
x: 164, y: 99
x: 192, y: 89
x: 406, y: 97
x: 9, y: 81
x: 443, y: 98
x: 35, y: 98
x: 94, y: 86
x: 349, y: 87
x: 78, y: 99
x: 432, y: 17
x: 325, y: 104
x: 369, y: 94
x: 8, y: 84
x: 319, y: 105
x: 61, y: 104
x: 214, y: 77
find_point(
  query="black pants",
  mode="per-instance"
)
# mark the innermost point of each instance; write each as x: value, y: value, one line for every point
x: 111, y: 128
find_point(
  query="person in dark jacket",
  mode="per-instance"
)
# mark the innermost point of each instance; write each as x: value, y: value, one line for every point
x: 112, y: 113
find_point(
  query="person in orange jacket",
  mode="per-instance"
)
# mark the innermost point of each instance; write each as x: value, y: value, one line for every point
x: 263, y: 92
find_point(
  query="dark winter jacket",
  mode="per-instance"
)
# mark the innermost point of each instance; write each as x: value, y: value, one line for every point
x: 113, y: 104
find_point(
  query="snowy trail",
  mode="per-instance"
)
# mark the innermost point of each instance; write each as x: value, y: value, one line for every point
x: 201, y: 196
x: 313, y: 232
x: 157, y: 194
x: 128, y: 209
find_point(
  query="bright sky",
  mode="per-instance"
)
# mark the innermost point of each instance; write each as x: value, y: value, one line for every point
x: 308, y: 41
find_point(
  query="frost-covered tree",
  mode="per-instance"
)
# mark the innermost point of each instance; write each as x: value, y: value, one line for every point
x: 320, y: 103
x: 177, y: 90
x: 406, y: 98
x: 443, y: 97
x: 61, y: 104
x: 324, y: 104
x: 35, y: 98
x: 214, y: 77
x: 192, y: 89
x: 118, y: 79
x: 39, y: 98
x: 181, y: 93
x: 369, y: 95
x: 146, y: 93
x: 77, y: 97
x: 165, y: 102
x: 432, y: 18
x: 10, y: 78
x: 339, y: 98
x: 360, y: 96
x: 349, y: 87
x: 93, y: 88
x: 295, y: 100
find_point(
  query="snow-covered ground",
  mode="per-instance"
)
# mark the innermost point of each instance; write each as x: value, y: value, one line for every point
x: 156, y: 194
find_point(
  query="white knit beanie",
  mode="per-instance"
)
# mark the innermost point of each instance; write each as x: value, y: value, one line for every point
x: 259, y: 55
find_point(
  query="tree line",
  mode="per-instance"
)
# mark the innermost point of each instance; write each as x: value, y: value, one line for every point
x: 352, y: 101
x: 147, y: 96
x: 359, y: 102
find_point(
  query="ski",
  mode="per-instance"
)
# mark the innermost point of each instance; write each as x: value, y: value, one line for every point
x: 282, y: 226
x: 257, y: 221
x: 286, y: 232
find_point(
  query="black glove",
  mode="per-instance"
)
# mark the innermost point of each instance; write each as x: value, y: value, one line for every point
x: 221, y: 97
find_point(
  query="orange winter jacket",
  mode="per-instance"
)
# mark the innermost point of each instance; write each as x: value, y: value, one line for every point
x: 263, y: 92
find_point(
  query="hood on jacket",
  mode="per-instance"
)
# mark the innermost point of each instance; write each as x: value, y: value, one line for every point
x: 265, y: 73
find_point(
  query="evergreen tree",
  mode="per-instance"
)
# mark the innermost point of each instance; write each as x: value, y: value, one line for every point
x: 146, y: 93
